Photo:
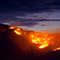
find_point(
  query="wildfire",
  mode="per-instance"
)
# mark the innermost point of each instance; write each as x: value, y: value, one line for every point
x: 43, y: 40
x: 32, y: 36
x: 18, y: 33
x: 57, y: 49
x: 18, y: 29
x: 12, y: 27
x: 43, y: 46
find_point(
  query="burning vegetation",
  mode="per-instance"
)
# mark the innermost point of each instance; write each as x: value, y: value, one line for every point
x: 42, y: 40
x: 28, y: 44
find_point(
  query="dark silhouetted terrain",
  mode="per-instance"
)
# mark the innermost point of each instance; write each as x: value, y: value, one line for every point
x: 15, y: 47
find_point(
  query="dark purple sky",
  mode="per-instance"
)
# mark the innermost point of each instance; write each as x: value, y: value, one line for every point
x: 29, y: 12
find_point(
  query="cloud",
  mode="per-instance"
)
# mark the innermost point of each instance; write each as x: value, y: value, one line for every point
x: 28, y: 19
x: 29, y: 6
x: 21, y: 23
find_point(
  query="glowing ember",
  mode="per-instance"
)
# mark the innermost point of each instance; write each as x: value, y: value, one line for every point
x: 18, y: 33
x: 11, y: 27
x: 43, y: 46
x: 18, y: 29
x: 57, y: 49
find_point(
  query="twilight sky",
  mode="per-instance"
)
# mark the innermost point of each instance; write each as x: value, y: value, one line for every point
x: 29, y: 12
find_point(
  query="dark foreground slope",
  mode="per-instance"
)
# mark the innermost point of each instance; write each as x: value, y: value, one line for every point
x: 15, y: 47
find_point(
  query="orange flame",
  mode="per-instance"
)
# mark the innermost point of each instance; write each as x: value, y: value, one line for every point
x: 18, y: 33
x: 43, y: 45
x: 57, y: 49
x: 32, y: 36
x: 18, y: 29
x: 11, y: 27
x: 43, y: 40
